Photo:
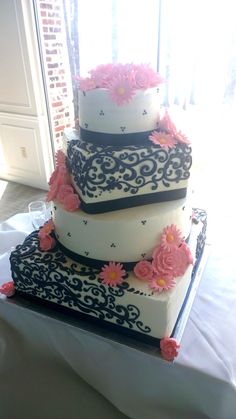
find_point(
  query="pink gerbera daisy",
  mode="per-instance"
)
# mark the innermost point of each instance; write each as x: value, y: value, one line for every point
x: 171, y: 237
x: 182, y: 138
x: 166, y: 124
x: 162, y: 139
x: 162, y: 283
x: 121, y: 90
x: 112, y: 274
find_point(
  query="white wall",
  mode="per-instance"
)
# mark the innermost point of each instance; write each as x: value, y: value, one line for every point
x: 25, y: 144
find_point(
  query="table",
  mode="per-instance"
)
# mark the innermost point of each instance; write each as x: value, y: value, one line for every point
x: 58, y: 370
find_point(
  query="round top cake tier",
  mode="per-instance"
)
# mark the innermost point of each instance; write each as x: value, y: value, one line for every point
x: 119, y: 104
x: 103, y: 121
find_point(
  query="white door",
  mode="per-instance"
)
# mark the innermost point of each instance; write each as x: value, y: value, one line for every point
x: 25, y: 142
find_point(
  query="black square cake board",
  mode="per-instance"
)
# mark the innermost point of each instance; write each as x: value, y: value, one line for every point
x: 111, y: 331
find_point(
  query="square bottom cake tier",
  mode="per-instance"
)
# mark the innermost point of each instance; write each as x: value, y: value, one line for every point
x: 132, y: 308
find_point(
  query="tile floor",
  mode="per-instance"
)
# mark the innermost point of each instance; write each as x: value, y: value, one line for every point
x: 14, y: 198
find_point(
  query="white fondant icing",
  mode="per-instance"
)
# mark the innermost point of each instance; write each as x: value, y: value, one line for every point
x: 123, y: 235
x: 99, y: 113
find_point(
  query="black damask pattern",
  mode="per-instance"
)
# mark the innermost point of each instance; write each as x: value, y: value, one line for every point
x: 98, y: 169
x: 47, y: 275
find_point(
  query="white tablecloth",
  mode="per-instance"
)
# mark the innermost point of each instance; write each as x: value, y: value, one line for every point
x: 50, y: 369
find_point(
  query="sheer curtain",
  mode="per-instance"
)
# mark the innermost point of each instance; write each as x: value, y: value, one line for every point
x: 198, y: 51
x: 192, y: 43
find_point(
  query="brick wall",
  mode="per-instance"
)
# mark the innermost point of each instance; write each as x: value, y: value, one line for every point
x: 56, y: 67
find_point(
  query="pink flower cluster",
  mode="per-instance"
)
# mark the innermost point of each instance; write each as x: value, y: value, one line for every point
x: 121, y: 80
x: 170, y: 259
x: 8, y: 289
x: 60, y: 185
x: 167, y: 135
x: 169, y: 348
x: 46, y: 241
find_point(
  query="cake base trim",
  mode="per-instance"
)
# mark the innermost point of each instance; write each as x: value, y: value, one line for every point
x: 92, y: 263
x: 133, y: 201
x: 103, y: 138
x: 96, y: 263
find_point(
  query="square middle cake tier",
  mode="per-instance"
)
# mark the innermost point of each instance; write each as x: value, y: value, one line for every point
x: 113, y: 177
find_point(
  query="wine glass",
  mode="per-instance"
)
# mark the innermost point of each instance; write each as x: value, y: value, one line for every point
x: 38, y: 213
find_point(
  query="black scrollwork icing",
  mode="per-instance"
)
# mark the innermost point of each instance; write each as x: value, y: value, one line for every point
x: 49, y: 276
x: 100, y: 168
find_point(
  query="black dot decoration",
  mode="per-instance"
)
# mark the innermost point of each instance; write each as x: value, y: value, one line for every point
x: 123, y: 129
x: 143, y: 255
x: 143, y: 222
x: 113, y: 245
x: 183, y: 208
x: 144, y: 112
x: 69, y: 234
x: 55, y: 208
x: 86, y: 253
x: 85, y: 222
x: 86, y: 125
x: 101, y: 113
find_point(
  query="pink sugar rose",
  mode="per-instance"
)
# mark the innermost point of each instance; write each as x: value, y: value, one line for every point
x: 46, y: 229
x: 142, y: 77
x: 185, y: 248
x: 63, y: 191
x: 52, y: 192
x: 53, y: 176
x: 63, y: 177
x: 60, y: 158
x: 8, y: 289
x: 169, y: 348
x: 46, y: 243
x: 170, y: 261
x: 87, y: 84
x: 155, y: 79
x: 59, y: 177
x: 71, y: 202
x: 144, y: 270
x: 102, y: 75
